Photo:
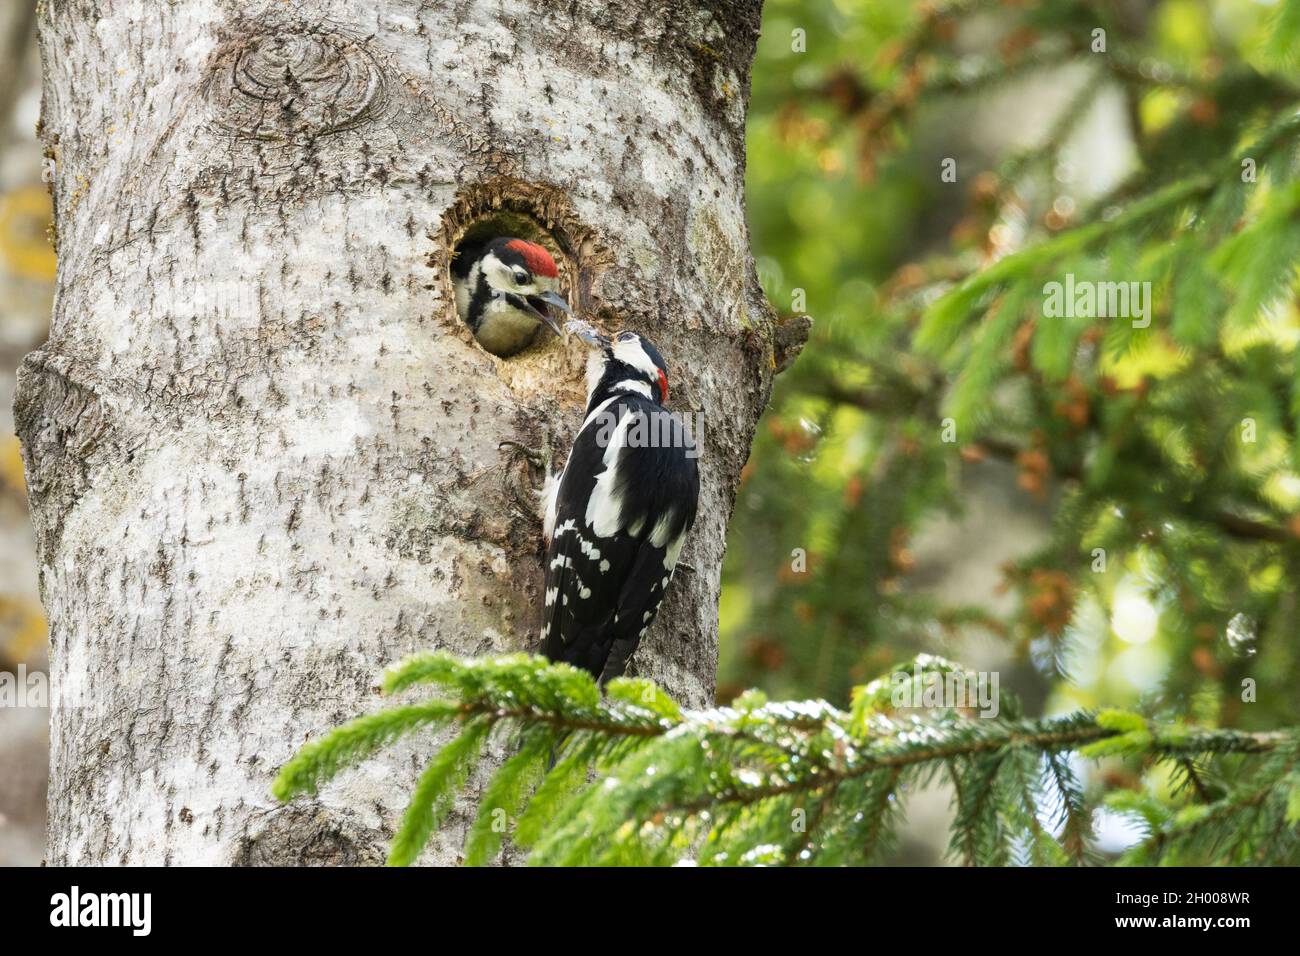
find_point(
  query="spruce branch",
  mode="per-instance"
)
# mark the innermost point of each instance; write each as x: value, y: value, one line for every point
x: 722, y: 785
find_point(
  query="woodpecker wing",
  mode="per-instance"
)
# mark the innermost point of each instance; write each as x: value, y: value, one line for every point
x: 623, y: 507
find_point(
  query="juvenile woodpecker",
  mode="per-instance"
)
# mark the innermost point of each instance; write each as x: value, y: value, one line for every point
x: 505, y: 289
x: 618, y: 515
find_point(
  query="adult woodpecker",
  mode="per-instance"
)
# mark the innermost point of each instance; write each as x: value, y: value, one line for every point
x: 618, y: 514
x: 505, y: 289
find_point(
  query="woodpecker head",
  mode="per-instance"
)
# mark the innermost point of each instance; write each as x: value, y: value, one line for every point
x: 505, y: 289
x: 627, y: 362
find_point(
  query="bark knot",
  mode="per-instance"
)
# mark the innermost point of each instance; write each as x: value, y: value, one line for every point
x: 306, y: 834
x: 69, y: 429
x: 294, y: 85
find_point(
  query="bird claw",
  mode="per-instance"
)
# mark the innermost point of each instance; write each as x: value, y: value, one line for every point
x: 538, y: 457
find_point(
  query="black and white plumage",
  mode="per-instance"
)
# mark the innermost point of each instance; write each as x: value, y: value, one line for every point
x: 618, y: 514
x: 505, y: 290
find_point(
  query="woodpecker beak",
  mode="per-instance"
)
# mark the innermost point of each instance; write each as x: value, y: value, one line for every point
x: 540, y: 306
x: 587, y: 333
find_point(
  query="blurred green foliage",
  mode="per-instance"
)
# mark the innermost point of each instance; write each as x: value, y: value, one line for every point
x: 1163, y: 460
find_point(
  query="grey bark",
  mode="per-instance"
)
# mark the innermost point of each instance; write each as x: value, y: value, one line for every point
x: 262, y: 451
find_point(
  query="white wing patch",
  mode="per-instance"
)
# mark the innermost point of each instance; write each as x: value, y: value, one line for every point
x: 549, y: 493
x: 605, y: 505
x: 659, y: 533
x: 674, y: 552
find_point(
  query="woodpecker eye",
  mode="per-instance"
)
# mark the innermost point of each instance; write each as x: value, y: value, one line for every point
x: 521, y: 277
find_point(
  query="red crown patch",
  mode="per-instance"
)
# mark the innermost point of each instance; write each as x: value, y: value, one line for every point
x: 537, y: 259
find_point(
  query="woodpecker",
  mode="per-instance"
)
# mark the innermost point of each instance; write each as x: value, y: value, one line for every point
x: 618, y: 514
x: 505, y: 289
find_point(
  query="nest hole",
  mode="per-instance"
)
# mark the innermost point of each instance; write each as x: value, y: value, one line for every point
x: 536, y: 214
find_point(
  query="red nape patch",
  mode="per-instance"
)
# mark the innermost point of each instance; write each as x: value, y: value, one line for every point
x: 537, y: 259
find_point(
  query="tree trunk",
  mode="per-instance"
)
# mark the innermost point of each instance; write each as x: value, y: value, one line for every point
x: 262, y: 450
